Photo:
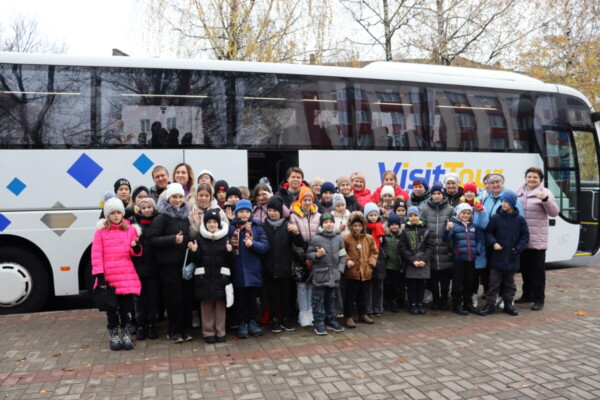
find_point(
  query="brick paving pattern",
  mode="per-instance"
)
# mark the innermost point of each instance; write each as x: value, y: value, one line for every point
x: 553, y: 354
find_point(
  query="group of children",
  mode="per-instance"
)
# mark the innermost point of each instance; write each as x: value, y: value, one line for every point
x: 338, y: 248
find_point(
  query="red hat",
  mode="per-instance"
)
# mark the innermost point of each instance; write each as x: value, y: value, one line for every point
x: 470, y: 186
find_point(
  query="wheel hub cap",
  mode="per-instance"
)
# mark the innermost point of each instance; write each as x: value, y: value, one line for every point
x: 15, y: 284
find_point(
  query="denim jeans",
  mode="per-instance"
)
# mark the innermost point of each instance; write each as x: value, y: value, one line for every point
x: 304, y: 295
x: 323, y: 304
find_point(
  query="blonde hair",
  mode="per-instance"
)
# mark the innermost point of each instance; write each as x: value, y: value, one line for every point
x: 389, y: 172
x: 122, y: 226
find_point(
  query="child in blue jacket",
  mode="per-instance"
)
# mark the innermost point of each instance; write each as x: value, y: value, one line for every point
x: 507, y: 234
x: 467, y: 244
x: 249, y: 242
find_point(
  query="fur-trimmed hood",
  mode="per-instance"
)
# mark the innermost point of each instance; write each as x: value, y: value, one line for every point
x: 221, y: 233
x: 102, y: 221
x: 164, y: 207
x: 357, y: 216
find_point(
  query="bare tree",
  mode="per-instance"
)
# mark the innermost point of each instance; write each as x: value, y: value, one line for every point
x: 381, y: 20
x: 479, y: 30
x: 250, y: 30
x: 25, y: 37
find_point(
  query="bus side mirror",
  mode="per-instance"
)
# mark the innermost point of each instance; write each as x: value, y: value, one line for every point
x: 596, y: 116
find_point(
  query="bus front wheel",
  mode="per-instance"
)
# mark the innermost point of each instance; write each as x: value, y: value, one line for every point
x: 24, y: 281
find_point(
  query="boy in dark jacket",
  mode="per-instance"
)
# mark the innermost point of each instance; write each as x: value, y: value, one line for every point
x: 507, y: 234
x: 395, y: 281
x: 213, y: 257
x: 328, y: 254
x: 468, y: 247
x: 416, y: 248
x: 277, y: 264
x: 147, y: 270
x: 250, y: 243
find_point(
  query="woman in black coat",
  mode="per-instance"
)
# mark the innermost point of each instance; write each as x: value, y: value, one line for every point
x: 213, y: 257
x: 169, y: 236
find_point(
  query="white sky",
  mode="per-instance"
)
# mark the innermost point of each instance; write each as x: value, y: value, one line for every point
x: 87, y: 27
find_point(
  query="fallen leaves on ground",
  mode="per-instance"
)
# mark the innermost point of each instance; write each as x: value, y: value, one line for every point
x: 580, y: 313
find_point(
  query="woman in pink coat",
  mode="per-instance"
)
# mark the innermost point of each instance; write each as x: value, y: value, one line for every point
x: 538, y: 204
x: 115, y: 242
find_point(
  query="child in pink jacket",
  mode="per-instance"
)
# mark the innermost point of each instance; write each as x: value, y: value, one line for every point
x: 115, y: 242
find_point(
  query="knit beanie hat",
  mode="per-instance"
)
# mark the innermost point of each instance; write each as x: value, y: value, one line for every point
x: 337, y: 199
x: 470, y: 186
x: 221, y: 185
x: 121, y: 182
x: 388, y: 190
x: 462, y: 207
x: 393, y: 219
x: 451, y: 177
x: 357, y: 175
x: 369, y: 208
x: 146, y: 200
x: 437, y: 187
x: 325, y: 217
x: 414, y: 210
x: 422, y: 183
x: 399, y: 203
x: 495, y: 177
x: 139, y: 190
x: 172, y: 189
x: 276, y: 204
x: 213, y: 213
x: 327, y: 187
x: 207, y: 172
x: 233, y: 191
x: 342, y: 179
x: 305, y: 191
x: 510, y: 197
x: 243, y: 205
x: 111, y: 203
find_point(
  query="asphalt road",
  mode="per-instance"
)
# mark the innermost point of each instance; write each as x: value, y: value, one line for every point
x: 83, y: 301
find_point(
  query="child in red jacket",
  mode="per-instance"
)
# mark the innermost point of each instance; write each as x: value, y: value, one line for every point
x: 115, y: 242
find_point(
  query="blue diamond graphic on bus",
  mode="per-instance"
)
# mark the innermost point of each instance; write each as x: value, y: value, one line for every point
x: 85, y: 170
x: 16, y: 186
x: 4, y: 222
x: 143, y: 163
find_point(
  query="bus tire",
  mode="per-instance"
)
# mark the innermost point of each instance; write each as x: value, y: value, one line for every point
x: 24, y: 281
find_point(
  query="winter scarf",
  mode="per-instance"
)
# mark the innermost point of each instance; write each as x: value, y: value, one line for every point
x: 235, y: 238
x: 377, y: 231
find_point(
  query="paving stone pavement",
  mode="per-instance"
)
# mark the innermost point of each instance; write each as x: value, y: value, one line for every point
x: 552, y: 354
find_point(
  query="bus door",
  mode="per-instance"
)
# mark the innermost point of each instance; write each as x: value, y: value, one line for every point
x: 270, y: 164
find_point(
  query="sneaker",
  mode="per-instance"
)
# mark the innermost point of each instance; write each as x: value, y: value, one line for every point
x: 395, y: 307
x: 500, y: 301
x: 413, y: 309
x: 340, y: 315
x: 114, y: 339
x: 210, y: 339
x: 221, y: 339
x: 275, y: 325
x: 187, y: 336
x: 152, y: 332
x: 254, y: 329
x: 141, y: 333
x: 474, y: 300
x: 287, y: 325
x: 242, y: 330
x: 537, y: 306
x: 421, y: 309
x: 320, y: 330
x: 428, y: 298
x: 334, y: 326
x: 175, y: 337
x: 377, y: 315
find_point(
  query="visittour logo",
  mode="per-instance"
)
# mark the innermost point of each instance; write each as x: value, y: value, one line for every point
x: 429, y: 174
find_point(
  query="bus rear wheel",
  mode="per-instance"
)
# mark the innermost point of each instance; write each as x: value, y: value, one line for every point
x: 24, y: 281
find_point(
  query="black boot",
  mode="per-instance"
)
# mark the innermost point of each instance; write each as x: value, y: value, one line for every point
x: 487, y: 310
x: 444, y: 306
x: 127, y: 342
x: 469, y: 307
x: 140, y: 334
x: 114, y: 340
x: 460, y: 310
x: 510, y: 310
x: 152, y: 332
x: 395, y: 307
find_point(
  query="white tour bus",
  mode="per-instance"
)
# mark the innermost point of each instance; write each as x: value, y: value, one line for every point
x: 70, y: 127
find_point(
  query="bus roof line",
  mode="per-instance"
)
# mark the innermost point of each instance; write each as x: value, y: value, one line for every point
x: 405, y: 72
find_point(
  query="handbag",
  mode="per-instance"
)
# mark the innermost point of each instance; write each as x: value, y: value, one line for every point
x: 228, y: 295
x: 187, y: 272
x: 106, y: 299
